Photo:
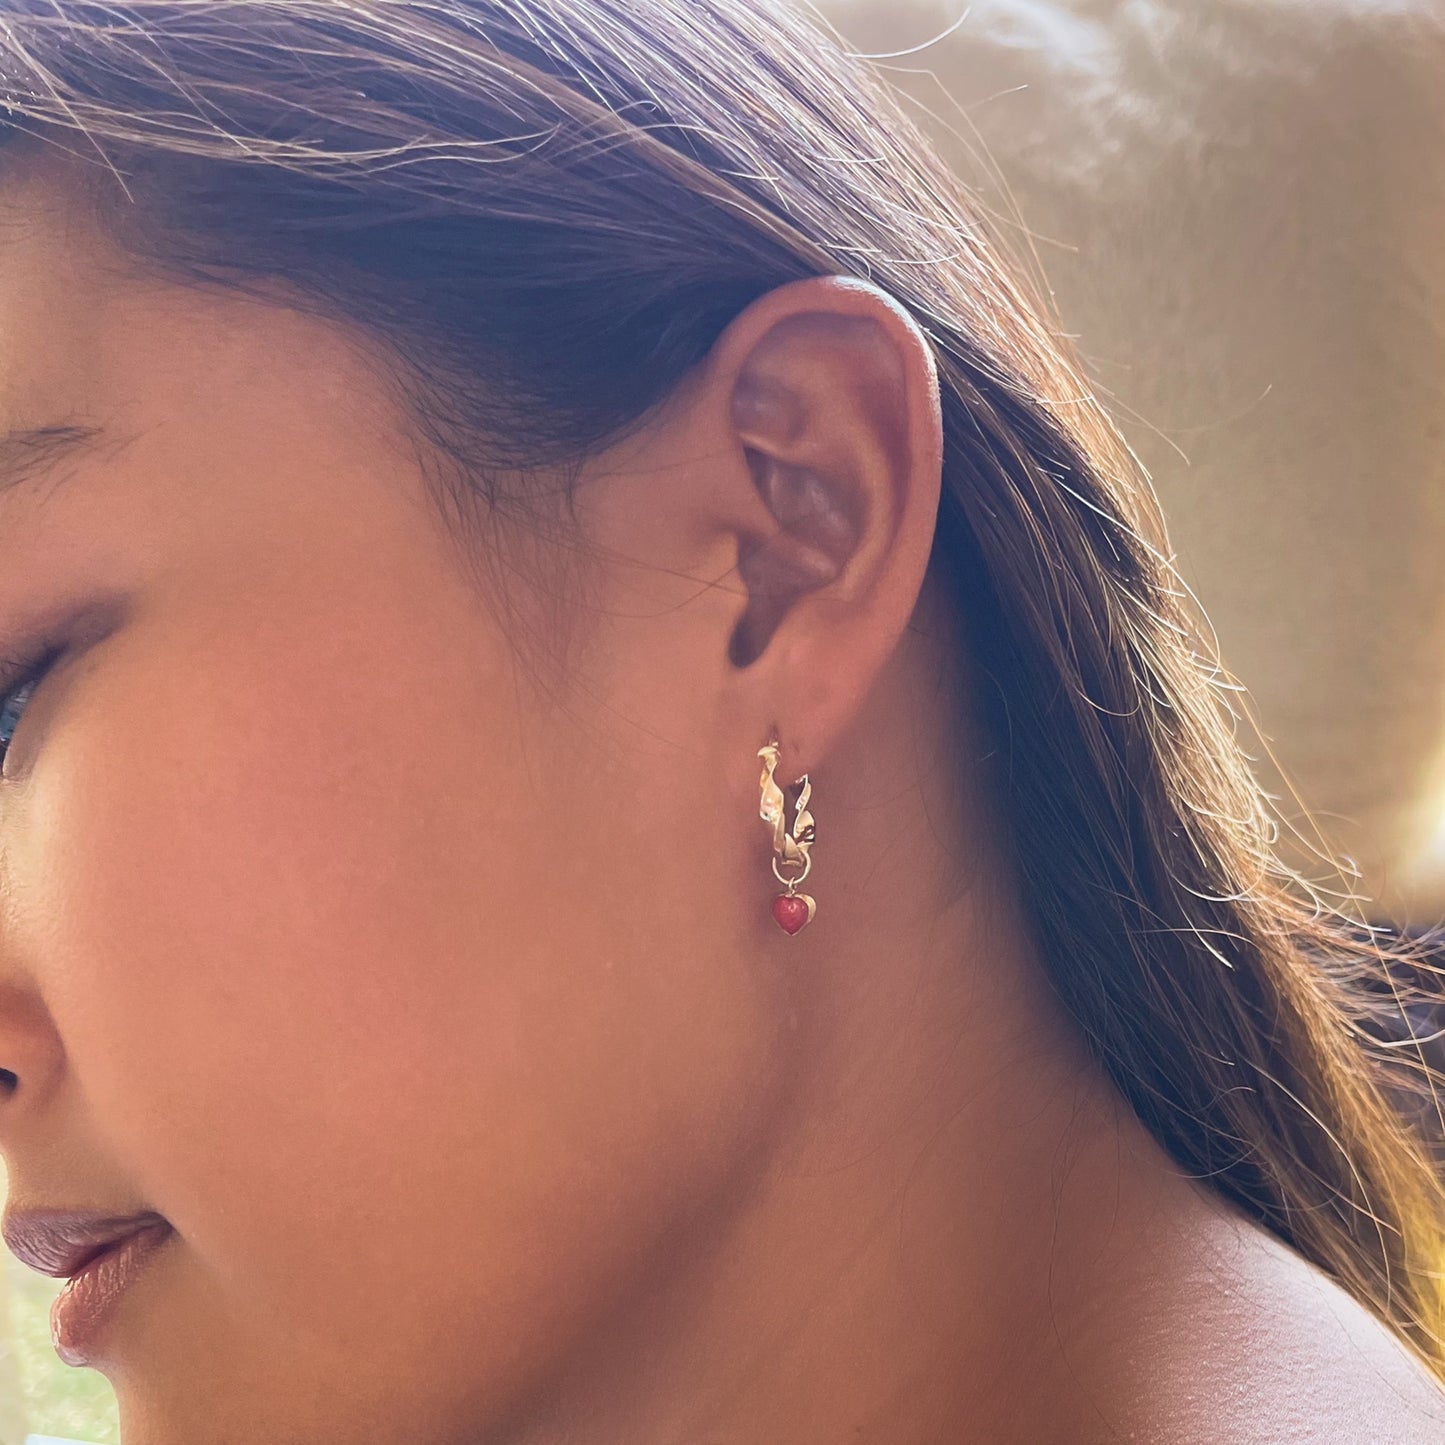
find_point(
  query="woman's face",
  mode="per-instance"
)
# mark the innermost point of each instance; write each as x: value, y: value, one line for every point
x: 330, y: 931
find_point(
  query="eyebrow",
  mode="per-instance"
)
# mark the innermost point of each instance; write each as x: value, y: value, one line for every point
x: 29, y: 455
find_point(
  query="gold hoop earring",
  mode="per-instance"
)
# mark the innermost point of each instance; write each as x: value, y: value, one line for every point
x: 791, y: 850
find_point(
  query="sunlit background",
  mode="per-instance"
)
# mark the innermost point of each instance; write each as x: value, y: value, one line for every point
x: 1236, y: 205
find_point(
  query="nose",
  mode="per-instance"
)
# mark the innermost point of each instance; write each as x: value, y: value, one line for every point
x: 32, y: 1058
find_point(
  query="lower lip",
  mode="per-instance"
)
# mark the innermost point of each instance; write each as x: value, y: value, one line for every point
x: 82, y: 1308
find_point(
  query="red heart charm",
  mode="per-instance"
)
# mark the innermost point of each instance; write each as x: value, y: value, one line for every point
x: 793, y: 910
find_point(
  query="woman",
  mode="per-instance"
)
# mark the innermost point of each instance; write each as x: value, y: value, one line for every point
x: 614, y: 829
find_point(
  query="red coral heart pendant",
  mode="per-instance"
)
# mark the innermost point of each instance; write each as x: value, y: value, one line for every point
x: 793, y: 910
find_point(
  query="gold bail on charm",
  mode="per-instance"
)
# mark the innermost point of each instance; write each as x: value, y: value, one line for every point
x: 791, y: 850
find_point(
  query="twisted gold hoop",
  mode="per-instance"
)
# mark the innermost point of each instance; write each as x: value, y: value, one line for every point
x: 791, y: 849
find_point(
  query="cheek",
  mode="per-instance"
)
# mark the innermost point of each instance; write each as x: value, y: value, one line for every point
x: 346, y: 972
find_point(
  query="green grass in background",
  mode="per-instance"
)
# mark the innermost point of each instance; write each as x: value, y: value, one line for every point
x: 76, y: 1404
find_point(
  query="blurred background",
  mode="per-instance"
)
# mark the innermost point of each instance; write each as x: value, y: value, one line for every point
x: 1235, y: 207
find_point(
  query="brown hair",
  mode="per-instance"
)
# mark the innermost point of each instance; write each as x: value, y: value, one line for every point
x: 549, y: 210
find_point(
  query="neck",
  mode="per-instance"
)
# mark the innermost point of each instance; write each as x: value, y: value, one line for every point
x: 946, y: 1197
x: 917, y: 1254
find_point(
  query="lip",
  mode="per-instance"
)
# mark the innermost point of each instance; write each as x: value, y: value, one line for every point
x: 82, y: 1309
x: 59, y: 1242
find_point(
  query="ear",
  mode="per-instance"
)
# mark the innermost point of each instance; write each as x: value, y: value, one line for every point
x: 833, y: 420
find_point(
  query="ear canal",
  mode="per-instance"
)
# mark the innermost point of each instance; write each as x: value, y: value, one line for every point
x: 816, y: 534
x: 776, y: 572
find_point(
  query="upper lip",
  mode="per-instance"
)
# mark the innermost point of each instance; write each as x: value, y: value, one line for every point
x: 61, y: 1242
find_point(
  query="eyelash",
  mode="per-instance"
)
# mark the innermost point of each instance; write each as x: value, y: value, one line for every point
x: 15, y: 677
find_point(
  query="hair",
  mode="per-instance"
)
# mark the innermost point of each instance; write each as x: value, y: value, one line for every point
x: 549, y: 210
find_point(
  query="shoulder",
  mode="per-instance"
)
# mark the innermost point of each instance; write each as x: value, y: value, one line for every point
x: 1255, y: 1346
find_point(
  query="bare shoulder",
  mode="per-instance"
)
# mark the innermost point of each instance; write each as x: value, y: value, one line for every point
x: 1252, y: 1345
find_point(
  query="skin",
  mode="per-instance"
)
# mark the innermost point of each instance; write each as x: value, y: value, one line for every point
x: 429, y: 988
